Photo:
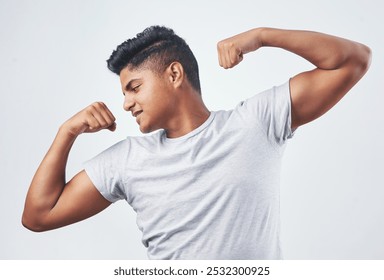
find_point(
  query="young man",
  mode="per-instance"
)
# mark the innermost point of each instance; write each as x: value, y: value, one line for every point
x: 205, y: 185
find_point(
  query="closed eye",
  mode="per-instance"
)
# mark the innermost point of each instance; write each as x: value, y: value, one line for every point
x: 135, y: 89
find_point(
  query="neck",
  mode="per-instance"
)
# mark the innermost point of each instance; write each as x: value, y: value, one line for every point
x: 191, y: 113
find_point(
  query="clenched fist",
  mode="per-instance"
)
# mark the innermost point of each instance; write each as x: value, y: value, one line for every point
x: 231, y: 50
x: 93, y: 118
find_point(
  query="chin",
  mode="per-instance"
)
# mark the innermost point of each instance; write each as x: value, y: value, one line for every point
x: 145, y: 129
x: 147, y: 126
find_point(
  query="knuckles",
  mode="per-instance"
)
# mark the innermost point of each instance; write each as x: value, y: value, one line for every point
x: 92, y: 118
x: 98, y: 105
x: 223, y: 45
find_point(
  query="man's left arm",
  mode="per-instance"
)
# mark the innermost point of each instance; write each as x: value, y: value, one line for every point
x: 340, y: 64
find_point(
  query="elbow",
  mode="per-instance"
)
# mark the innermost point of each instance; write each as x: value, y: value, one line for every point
x: 363, y: 59
x: 32, y: 224
x: 358, y: 63
x: 367, y: 57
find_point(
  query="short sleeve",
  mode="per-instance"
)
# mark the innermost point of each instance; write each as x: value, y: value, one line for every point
x: 105, y: 171
x: 272, y: 110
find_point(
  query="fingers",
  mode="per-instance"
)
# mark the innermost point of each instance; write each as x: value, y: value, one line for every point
x: 93, y: 118
x: 231, y: 50
x: 229, y: 55
x: 98, y: 117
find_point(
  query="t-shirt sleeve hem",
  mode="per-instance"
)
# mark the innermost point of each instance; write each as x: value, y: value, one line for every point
x: 108, y: 196
x: 290, y: 131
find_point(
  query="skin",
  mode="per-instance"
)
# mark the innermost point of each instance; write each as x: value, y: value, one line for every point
x: 168, y: 101
x: 165, y: 101
x: 340, y: 64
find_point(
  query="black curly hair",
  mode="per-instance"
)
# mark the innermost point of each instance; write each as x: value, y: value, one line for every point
x: 156, y: 48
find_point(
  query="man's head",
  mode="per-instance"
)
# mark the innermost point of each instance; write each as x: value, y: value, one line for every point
x: 160, y: 80
x: 155, y: 49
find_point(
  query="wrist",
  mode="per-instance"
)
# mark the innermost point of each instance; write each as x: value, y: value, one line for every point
x: 263, y: 35
x: 255, y: 41
x: 66, y: 131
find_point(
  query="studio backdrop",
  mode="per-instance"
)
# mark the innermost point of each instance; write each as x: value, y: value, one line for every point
x: 53, y: 63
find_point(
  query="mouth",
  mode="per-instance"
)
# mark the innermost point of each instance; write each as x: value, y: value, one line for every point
x: 137, y: 113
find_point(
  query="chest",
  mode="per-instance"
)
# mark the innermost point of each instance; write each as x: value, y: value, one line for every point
x: 235, y: 162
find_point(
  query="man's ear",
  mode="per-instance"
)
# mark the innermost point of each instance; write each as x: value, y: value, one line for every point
x: 175, y: 73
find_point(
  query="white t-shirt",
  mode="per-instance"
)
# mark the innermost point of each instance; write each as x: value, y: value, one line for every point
x: 212, y: 193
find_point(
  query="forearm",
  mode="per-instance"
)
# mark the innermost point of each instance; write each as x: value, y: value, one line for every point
x: 49, y: 180
x: 324, y: 51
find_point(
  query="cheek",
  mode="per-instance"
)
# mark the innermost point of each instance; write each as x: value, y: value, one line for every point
x: 160, y: 101
x: 156, y: 100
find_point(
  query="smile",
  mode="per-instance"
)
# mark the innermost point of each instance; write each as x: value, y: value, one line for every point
x: 135, y: 114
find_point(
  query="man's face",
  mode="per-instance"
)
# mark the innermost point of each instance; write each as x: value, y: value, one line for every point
x: 149, y: 97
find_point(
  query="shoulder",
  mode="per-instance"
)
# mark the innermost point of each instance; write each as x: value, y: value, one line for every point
x: 119, y: 152
x: 268, y: 100
x: 132, y: 142
x: 146, y: 140
x: 138, y: 140
x: 270, y: 94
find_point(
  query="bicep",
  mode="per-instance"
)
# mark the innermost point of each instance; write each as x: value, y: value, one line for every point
x: 315, y: 92
x: 79, y: 200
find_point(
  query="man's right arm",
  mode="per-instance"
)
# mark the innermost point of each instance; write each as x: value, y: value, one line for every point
x: 52, y: 202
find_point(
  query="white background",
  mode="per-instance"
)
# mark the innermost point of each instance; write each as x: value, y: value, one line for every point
x: 52, y: 64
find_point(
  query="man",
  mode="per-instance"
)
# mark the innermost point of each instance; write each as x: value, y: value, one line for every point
x: 205, y: 185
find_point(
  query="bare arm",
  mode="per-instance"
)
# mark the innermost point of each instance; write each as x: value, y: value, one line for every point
x: 340, y: 64
x: 51, y: 201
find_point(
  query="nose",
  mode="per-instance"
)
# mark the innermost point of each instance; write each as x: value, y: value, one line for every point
x: 129, y: 102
